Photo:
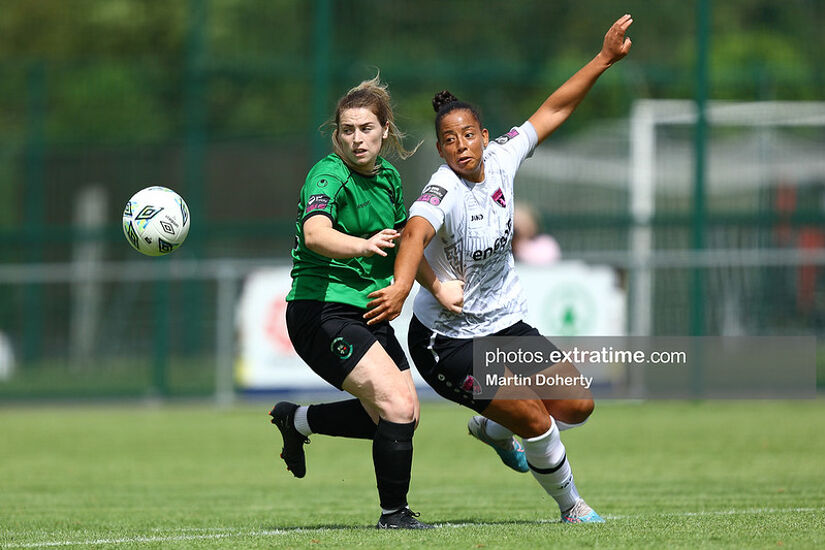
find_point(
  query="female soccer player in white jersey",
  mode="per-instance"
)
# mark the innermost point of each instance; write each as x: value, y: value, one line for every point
x: 463, y: 224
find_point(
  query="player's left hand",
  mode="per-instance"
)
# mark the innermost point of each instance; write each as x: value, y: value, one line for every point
x: 386, y: 304
x: 450, y: 294
x: 616, y: 44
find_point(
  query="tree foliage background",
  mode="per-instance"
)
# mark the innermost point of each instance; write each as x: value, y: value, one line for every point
x: 222, y: 99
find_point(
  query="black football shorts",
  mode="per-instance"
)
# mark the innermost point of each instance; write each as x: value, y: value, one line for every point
x: 332, y: 338
x: 447, y: 363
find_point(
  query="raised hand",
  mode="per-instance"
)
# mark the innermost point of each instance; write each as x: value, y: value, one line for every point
x: 616, y: 44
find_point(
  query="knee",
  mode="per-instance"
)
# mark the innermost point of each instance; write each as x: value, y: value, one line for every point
x: 535, y: 423
x: 400, y: 408
x: 580, y: 410
x: 538, y: 426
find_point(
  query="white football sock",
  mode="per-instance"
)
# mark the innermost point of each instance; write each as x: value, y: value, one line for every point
x: 565, y: 426
x: 300, y: 421
x: 549, y: 465
x: 496, y: 431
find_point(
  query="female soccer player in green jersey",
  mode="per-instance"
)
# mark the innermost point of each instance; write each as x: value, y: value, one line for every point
x: 463, y: 225
x: 350, y: 213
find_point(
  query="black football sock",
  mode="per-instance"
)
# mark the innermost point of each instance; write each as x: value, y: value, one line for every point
x: 392, y: 451
x: 342, y: 419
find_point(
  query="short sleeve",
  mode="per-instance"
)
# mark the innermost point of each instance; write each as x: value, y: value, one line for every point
x: 318, y: 195
x: 436, y: 199
x: 518, y: 143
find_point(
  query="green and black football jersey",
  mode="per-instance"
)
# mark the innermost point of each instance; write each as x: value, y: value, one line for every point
x: 357, y: 205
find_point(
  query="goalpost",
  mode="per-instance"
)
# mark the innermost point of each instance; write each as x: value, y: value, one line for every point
x: 655, y: 171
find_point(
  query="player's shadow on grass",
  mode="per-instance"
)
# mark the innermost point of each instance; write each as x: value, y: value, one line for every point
x: 444, y: 523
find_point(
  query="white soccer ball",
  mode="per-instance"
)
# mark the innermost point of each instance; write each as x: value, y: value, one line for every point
x: 156, y: 221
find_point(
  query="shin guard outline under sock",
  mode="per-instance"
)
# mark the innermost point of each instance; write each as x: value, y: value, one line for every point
x: 392, y: 451
x: 548, y: 463
x: 341, y: 419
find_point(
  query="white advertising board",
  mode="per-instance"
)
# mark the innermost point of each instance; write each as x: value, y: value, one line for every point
x: 566, y: 299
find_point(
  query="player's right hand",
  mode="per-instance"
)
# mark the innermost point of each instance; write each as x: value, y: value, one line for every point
x: 378, y: 242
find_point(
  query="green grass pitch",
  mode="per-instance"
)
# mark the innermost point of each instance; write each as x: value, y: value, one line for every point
x: 744, y: 474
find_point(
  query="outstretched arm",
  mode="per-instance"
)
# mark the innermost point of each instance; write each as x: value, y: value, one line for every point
x: 321, y: 238
x: 410, y: 265
x: 561, y: 103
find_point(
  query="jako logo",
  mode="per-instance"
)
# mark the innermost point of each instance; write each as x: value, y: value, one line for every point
x: 499, y: 245
x: 476, y: 217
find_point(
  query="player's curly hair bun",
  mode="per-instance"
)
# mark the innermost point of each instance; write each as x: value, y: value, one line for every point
x: 444, y: 103
x: 442, y: 98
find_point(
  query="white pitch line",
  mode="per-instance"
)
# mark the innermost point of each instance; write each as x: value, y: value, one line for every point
x: 158, y: 538
x: 226, y: 532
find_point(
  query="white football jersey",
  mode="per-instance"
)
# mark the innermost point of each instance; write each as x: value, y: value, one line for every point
x: 473, y: 234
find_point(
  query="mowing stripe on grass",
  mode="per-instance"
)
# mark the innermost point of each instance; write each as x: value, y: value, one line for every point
x: 751, y: 511
x: 223, y: 532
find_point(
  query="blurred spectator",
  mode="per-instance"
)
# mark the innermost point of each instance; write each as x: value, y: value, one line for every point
x: 529, y: 246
